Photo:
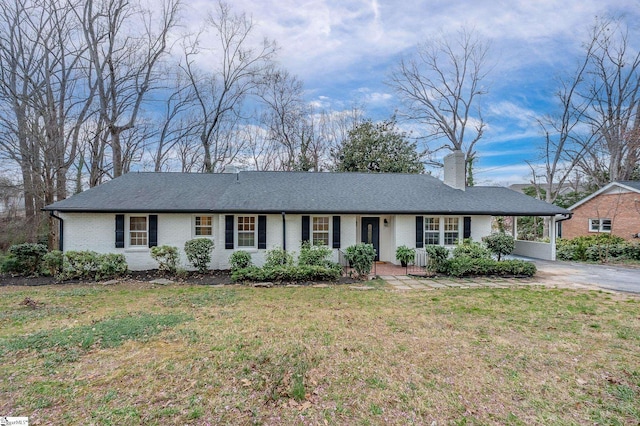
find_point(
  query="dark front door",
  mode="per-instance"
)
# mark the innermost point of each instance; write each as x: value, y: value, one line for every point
x: 370, y: 233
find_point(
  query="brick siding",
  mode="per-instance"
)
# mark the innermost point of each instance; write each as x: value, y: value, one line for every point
x: 623, y: 209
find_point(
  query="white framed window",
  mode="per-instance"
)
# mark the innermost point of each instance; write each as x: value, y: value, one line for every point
x: 432, y: 230
x: 203, y: 226
x: 246, y: 231
x: 138, y: 231
x: 600, y: 225
x: 442, y: 230
x: 451, y: 230
x: 320, y: 230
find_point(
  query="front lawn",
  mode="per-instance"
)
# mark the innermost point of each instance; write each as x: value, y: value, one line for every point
x: 135, y: 354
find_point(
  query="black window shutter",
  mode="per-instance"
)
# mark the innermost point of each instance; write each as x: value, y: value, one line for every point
x: 119, y: 231
x: 153, y: 230
x: 305, y: 228
x: 336, y: 232
x: 466, y: 230
x: 228, y: 232
x: 419, y: 231
x: 262, y: 232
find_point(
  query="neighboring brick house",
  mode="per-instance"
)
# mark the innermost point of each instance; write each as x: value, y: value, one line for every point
x: 613, y: 209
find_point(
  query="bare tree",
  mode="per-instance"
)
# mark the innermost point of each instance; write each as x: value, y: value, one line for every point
x: 176, y: 124
x: 220, y: 93
x: 611, y: 87
x: 285, y: 113
x: 124, y: 62
x: 44, y: 98
x: 440, y: 87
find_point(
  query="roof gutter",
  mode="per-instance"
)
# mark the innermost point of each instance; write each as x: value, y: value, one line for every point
x: 567, y: 216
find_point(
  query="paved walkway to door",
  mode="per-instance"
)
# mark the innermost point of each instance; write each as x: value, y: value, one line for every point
x: 550, y: 274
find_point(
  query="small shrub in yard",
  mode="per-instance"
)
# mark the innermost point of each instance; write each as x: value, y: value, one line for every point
x: 249, y: 273
x: 167, y: 258
x: 436, y: 256
x: 25, y: 259
x: 278, y: 257
x: 198, y: 252
x: 318, y: 255
x: 239, y: 260
x: 361, y: 257
x: 92, y: 265
x: 52, y: 262
x: 500, y: 244
x: 471, y: 249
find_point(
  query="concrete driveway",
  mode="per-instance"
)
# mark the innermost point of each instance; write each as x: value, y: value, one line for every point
x: 610, y: 277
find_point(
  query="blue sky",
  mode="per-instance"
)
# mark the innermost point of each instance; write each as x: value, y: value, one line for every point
x: 344, y: 50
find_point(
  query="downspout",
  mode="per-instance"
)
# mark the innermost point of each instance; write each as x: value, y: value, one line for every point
x: 284, y: 232
x: 61, y: 239
x: 562, y: 219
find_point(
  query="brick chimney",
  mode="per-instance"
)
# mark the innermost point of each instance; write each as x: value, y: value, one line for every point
x: 454, y: 170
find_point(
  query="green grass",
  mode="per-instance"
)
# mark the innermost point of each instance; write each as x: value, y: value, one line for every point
x: 134, y: 354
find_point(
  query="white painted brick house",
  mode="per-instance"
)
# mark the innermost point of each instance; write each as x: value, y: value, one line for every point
x: 257, y: 211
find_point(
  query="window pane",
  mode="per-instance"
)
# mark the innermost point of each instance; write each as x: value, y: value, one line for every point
x: 606, y: 225
x: 246, y: 231
x: 320, y: 228
x: 138, y: 231
x: 432, y: 238
x: 451, y: 230
x: 432, y: 224
x: 203, y: 225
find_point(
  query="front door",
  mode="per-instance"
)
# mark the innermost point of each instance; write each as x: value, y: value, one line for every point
x: 370, y: 233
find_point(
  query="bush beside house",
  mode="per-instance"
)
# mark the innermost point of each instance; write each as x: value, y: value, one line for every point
x: 474, y: 259
x: 313, y: 264
x: 597, y: 248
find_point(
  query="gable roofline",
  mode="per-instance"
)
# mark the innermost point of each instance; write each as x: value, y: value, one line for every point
x: 621, y: 184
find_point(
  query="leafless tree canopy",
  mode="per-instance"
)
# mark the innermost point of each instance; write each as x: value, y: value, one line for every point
x: 440, y: 87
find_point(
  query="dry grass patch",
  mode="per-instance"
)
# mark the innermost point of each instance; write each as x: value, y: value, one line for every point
x: 320, y: 356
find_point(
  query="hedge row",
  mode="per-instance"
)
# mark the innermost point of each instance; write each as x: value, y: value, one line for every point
x: 33, y: 259
x: 466, y: 266
x: 597, y: 248
x: 288, y: 273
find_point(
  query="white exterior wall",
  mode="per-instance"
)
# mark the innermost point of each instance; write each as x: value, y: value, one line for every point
x: 96, y: 231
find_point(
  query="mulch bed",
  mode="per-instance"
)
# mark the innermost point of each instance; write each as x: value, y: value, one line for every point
x: 219, y: 277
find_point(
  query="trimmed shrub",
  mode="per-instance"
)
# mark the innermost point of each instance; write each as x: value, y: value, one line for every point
x: 52, y: 262
x: 92, y: 265
x: 250, y: 273
x: 110, y: 265
x: 595, y: 248
x: 467, y: 266
x: 25, y: 259
x: 500, y: 244
x: 361, y: 257
x: 318, y: 255
x: 278, y: 257
x: 436, y: 255
x: 167, y: 258
x: 198, y: 253
x: 288, y: 273
x: 471, y: 249
x: 240, y: 260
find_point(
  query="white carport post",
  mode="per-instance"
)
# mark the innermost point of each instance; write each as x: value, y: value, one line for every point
x: 552, y: 237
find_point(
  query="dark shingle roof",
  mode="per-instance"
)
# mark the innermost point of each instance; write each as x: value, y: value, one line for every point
x: 299, y: 192
x: 635, y: 184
